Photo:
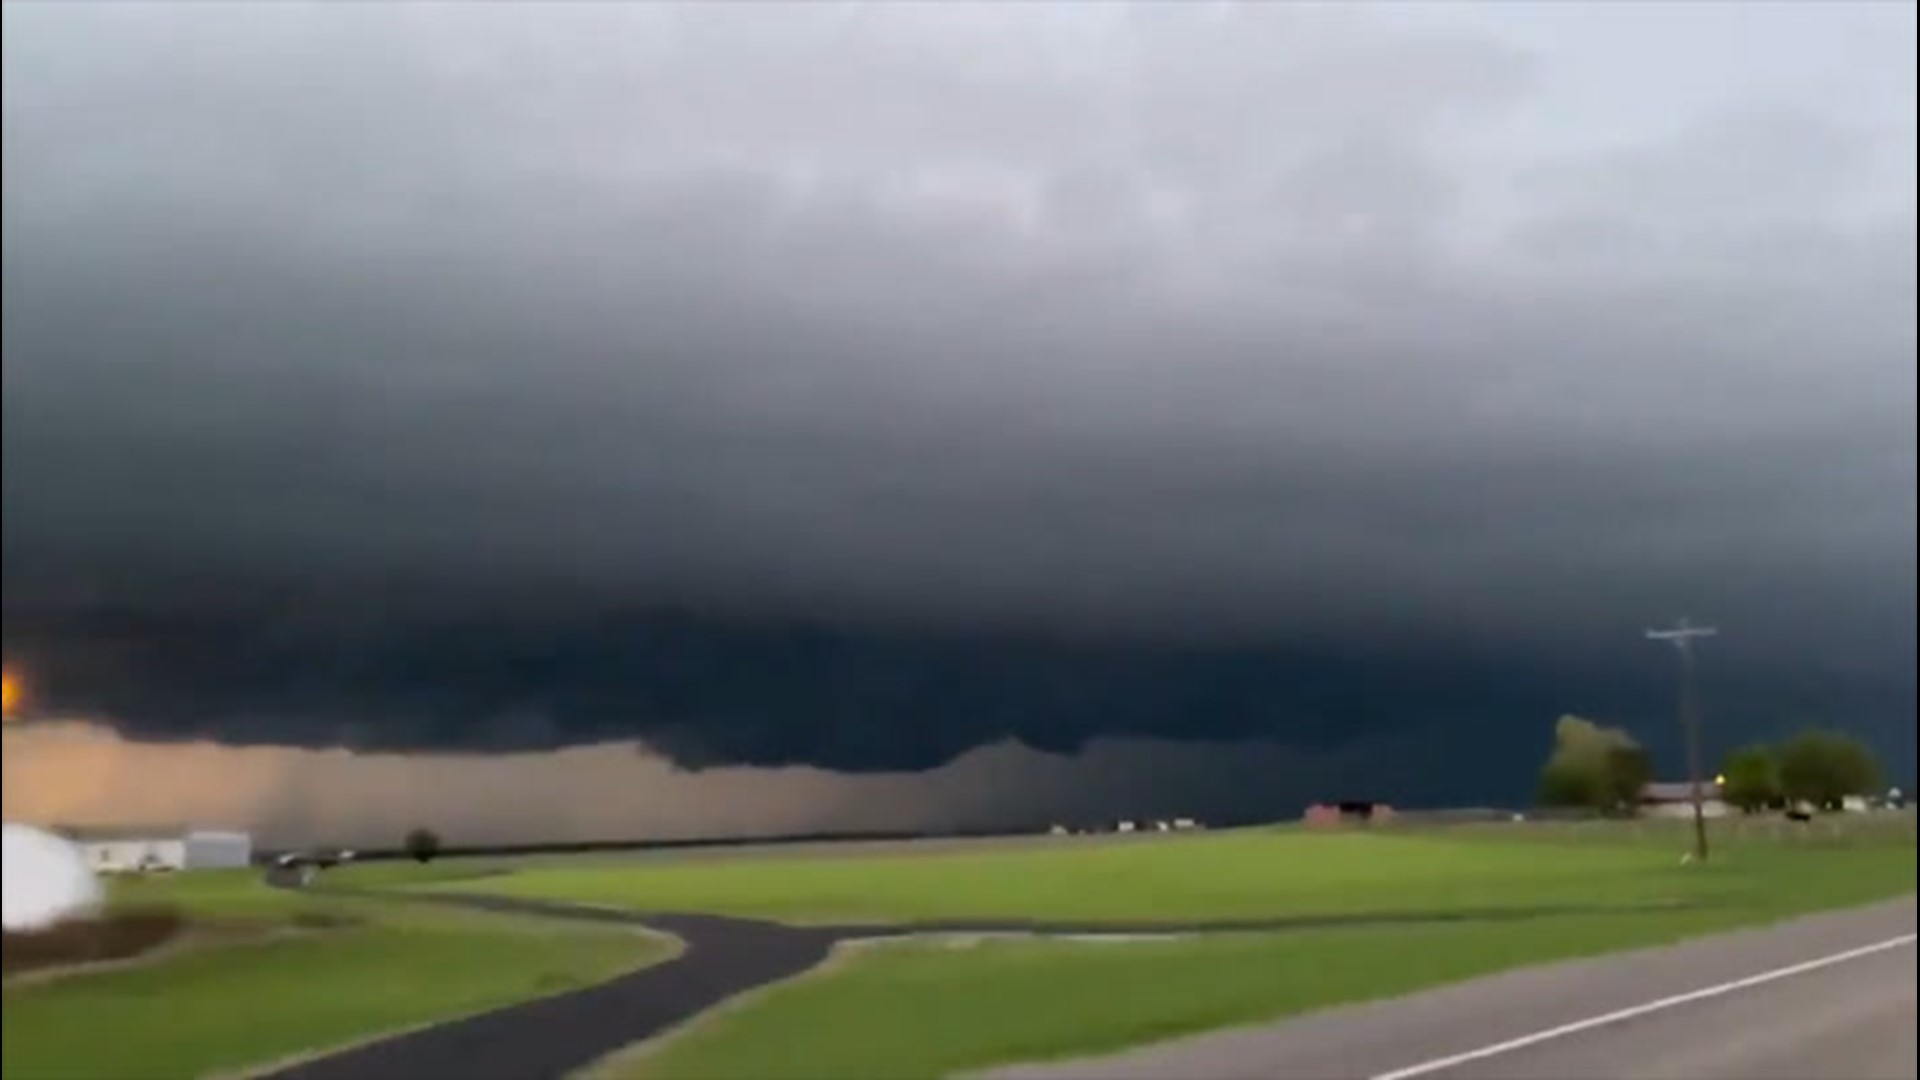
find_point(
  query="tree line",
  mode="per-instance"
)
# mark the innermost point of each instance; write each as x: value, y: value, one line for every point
x: 1816, y: 768
x: 1605, y: 769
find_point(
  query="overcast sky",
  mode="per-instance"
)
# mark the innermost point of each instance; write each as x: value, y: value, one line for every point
x: 1393, y: 333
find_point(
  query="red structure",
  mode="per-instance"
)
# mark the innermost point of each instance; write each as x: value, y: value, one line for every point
x: 1333, y: 815
x: 1321, y: 816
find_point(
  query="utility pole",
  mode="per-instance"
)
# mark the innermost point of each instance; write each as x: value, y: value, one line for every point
x: 1682, y: 636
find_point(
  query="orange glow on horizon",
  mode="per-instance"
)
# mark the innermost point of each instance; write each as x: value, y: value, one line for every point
x: 11, y: 693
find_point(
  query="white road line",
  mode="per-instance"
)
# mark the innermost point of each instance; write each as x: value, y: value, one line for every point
x: 1426, y: 1068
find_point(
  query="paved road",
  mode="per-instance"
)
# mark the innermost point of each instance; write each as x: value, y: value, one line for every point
x: 1851, y: 1021
x: 1605, y: 1019
x: 723, y: 957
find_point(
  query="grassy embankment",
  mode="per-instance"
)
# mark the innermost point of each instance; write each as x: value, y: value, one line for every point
x: 260, y: 975
x: 932, y: 1008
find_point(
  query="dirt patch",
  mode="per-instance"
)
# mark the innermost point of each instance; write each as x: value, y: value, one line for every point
x: 119, y: 936
x: 325, y: 920
x: 141, y: 936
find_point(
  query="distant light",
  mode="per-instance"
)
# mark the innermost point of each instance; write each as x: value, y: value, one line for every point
x: 1721, y: 780
x: 12, y: 691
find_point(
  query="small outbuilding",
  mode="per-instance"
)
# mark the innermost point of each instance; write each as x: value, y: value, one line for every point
x: 1348, y: 812
x: 124, y: 849
x: 1675, y: 800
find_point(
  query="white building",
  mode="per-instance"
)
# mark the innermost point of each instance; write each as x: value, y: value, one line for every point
x: 1676, y: 800
x: 118, y: 849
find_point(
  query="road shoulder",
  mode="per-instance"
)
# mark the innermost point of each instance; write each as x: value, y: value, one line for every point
x: 1382, y: 1036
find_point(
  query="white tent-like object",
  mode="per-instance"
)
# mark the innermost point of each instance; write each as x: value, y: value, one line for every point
x: 45, y: 880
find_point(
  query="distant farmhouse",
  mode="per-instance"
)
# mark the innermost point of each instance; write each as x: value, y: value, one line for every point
x: 124, y: 849
x: 1675, y: 800
x: 1347, y: 812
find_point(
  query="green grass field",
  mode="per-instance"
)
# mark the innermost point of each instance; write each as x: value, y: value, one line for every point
x: 273, y: 974
x: 1236, y: 875
x: 253, y: 987
x: 929, y: 1008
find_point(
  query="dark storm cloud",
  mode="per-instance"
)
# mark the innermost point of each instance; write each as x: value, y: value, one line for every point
x: 381, y: 375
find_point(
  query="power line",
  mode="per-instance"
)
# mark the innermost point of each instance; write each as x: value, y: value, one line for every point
x: 1682, y: 636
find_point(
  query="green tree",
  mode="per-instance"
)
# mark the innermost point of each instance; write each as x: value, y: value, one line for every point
x: 1568, y: 784
x: 1598, y: 768
x: 1629, y: 768
x: 422, y: 845
x: 1751, y: 778
x: 1824, y: 767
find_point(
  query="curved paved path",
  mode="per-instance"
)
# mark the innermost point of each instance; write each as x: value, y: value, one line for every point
x: 723, y: 957
x: 548, y: 1038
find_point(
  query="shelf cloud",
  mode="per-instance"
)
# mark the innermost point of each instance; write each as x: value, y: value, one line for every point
x: 855, y: 387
